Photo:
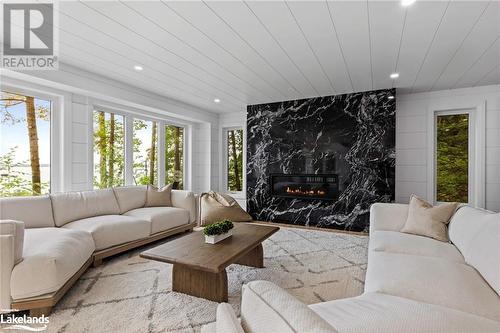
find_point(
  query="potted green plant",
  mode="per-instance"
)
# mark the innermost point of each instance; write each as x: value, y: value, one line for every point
x: 218, y: 231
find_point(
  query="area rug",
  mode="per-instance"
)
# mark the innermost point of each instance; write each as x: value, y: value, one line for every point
x: 131, y: 294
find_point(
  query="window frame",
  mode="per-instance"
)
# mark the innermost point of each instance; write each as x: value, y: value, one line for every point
x: 56, y: 180
x: 225, y: 162
x: 130, y: 116
x: 91, y: 145
x: 184, y: 149
x: 470, y: 149
x: 476, y: 142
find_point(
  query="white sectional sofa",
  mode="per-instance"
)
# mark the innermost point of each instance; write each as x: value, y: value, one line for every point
x: 413, y: 284
x: 47, y: 242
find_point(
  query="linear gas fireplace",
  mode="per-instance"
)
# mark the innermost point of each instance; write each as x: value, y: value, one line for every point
x: 309, y: 186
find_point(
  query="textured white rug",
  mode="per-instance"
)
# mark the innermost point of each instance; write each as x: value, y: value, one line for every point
x: 131, y: 294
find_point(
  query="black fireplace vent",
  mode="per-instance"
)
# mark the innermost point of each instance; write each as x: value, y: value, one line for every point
x: 305, y: 186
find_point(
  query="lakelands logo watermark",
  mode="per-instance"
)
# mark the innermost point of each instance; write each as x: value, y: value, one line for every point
x: 23, y: 323
x: 29, y: 35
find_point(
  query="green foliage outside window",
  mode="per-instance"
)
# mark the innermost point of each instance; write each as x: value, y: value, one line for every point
x: 25, y: 145
x: 235, y: 160
x: 109, y: 149
x: 145, y: 147
x: 452, y: 159
x: 174, y: 155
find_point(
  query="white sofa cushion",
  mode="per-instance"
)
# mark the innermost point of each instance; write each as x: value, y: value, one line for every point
x: 380, y: 313
x: 388, y: 216
x: 476, y: 233
x: 130, y: 197
x: 72, y: 206
x: 35, y: 212
x: 398, y: 242
x: 6, y: 266
x: 226, y: 320
x: 186, y: 200
x: 161, y: 218
x: 267, y: 308
x: 16, y: 230
x: 51, y: 257
x: 111, y: 230
x: 431, y: 280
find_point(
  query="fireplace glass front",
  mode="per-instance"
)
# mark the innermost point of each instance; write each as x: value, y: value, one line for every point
x: 309, y: 186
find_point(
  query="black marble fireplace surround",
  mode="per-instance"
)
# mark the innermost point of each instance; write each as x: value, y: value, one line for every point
x: 336, y: 154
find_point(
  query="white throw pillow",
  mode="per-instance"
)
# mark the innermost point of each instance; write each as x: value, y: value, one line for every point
x: 427, y: 220
x: 159, y: 197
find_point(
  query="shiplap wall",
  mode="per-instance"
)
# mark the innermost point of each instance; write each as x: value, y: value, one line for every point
x: 80, y: 143
x: 412, y: 136
x: 78, y: 91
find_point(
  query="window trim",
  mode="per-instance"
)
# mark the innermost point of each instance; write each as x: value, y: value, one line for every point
x: 225, y: 161
x: 184, y: 150
x: 129, y: 117
x: 93, y: 109
x: 477, y: 167
x: 57, y: 180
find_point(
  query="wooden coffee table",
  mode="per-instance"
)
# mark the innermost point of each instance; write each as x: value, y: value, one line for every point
x: 200, y: 269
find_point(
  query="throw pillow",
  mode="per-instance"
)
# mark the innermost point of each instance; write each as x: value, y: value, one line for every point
x: 159, y: 198
x: 427, y: 220
x: 216, y: 206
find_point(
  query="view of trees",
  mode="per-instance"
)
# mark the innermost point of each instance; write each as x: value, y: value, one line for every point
x: 452, y: 160
x: 24, y: 120
x: 145, y: 146
x: 174, y: 155
x: 235, y: 160
x: 109, y: 149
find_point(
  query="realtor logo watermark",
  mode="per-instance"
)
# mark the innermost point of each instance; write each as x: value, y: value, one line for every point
x: 23, y: 323
x: 29, y: 35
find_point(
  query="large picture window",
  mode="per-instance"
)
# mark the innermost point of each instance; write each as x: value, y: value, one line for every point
x: 174, y: 156
x: 145, y: 150
x: 109, y: 149
x: 452, y: 157
x: 25, y: 148
x: 234, y: 154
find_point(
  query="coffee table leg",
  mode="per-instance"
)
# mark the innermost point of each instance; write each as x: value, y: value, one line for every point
x: 254, y: 258
x: 211, y: 286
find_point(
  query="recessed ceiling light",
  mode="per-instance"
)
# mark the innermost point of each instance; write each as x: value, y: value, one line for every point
x: 407, y: 3
x: 394, y: 75
x: 216, y: 100
x: 138, y: 68
x: 391, y: 97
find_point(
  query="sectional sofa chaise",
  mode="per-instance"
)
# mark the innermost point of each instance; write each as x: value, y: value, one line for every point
x: 413, y: 284
x: 47, y: 242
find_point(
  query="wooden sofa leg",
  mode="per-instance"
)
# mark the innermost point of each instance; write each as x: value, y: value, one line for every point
x: 38, y: 312
x: 97, y: 262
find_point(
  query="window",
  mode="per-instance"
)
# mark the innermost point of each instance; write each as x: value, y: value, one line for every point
x: 452, y: 157
x: 145, y: 147
x: 234, y: 165
x: 109, y: 149
x: 174, y: 156
x: 25, y: 148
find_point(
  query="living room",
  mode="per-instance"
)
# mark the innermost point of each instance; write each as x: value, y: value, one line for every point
x: 250, y: 166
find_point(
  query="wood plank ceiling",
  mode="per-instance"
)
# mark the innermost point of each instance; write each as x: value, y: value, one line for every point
x: 262, y: 51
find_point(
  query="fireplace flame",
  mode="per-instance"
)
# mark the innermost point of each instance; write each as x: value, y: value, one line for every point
x: 300, y: 191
